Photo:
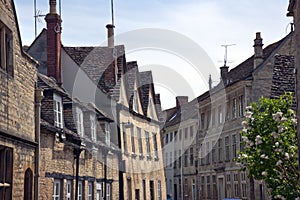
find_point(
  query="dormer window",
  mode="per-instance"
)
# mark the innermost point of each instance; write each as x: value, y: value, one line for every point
x: 134, y: 102
x: 150, y: 108
x: 58, y: 111
x: 93, y: 127
x: 79, y: 116
x: 6, y: 49
x: 107, y: 134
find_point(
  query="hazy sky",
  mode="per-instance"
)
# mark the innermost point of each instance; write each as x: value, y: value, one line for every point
x: 209, y: 23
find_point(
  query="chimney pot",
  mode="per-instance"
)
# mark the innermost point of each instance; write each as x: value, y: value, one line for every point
x: 52, y: 6
x: 110, y: 35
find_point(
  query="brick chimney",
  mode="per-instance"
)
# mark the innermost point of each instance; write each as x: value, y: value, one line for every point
x: 258, y: 50
x: 181, y: 100
x: 111, y: 72
x: 110, y: 36
x: 53, y: 43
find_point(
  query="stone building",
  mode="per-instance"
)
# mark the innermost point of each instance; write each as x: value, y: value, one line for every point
x: 18, y: 139
x: 123, y: 96
x: 219, y: 113
x: 78, y: 158
x: 144, y: 176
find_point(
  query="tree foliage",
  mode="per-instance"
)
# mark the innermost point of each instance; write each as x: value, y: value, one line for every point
x: 270, y: 146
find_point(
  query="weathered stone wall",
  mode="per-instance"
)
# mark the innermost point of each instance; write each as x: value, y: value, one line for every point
x: 17, y: 104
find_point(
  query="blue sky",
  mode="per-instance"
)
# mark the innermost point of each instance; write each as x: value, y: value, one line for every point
x: 209, y: 23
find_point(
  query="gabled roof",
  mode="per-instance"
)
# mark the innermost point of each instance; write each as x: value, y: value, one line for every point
x: 94, y: 61
x: 283, y: 80
x: 284, y: 75
x: 245, y: 69
x: 130, y: 76
x: 145, y: 85
x: 49, y: 83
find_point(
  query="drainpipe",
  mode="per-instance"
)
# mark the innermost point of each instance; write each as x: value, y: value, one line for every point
x: 120, y: 161
x: 77, y: 151
x: 38, y: 98
x: 105, y: 173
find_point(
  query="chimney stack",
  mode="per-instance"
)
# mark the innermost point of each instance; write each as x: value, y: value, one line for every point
x: 224, y: 72
x: 110, y: 35
x: 181, y: 100
x: 53, y: 43
x: 258, y: 50
x: 210, y: 82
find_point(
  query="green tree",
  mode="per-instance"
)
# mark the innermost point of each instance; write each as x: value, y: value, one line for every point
x: 270, y: 146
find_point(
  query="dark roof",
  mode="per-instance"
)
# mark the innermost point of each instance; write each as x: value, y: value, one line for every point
x: 284, y: 76
x: 145, y: 84
x: 245, y: 69
x: 130, y: 76
x: 95, y: 60
x: 49, y: 83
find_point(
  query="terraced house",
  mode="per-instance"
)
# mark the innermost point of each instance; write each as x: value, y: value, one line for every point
x: 120, y: 158
x: 219, y: 112
x: 18, y: 139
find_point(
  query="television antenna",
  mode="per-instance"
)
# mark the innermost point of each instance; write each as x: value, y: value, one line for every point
x: 225, y: 55
x: 38, y: 14
x: 112, y: 12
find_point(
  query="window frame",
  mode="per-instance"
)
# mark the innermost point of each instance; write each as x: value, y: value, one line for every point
x: 93, y: 127
x: 58, y: 110
x: 79, y: 121
x: 56, y: 194
x: 6, y: 50
x: 90, y: 190
x: 68, y: 192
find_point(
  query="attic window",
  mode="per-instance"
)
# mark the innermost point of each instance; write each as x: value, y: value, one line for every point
x: 107, y: 133
x: 58, y: 111
x: 93, y: 127
x: 79, y: 124
x: 134, y: 103
x: 150, y: 108
x: 6, y: 49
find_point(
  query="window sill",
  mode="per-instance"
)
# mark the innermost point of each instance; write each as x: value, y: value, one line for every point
x: 133, y: 155
x: 149, y: 157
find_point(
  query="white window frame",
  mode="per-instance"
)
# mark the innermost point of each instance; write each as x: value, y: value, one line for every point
x: 93, y: 127
x: 90, y: 190
x: 58, y: 110
x: 159, y: 190
x: 56, y: 189
x: 107, y: 133
x: 68, y: 189
x: 132, y: 140
x: 108, y: 191
x: 140, y: 140
x: 79, y: 123
x: 99, y: 191
x: 80, y: 191
x: 234, y: 102
x: 236, y: 185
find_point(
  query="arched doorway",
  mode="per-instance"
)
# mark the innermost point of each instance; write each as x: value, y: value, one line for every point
x: 28, y: 180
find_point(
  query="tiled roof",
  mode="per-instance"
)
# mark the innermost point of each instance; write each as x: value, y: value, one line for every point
x: 145, y: 84
x: 47, y: 83
x: 284, y: 76
x: 131, y: 74
x: 245, y: 69
x: 242, y: 72
x: 95, y: 60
